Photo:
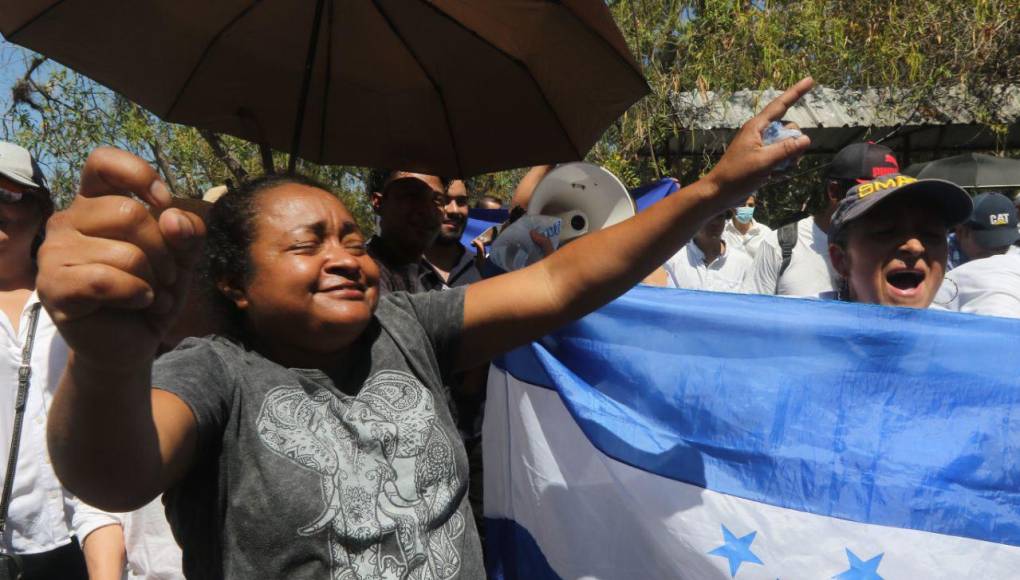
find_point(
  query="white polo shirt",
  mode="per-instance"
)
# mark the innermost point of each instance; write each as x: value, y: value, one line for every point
x: 41, y: 511
x: 810, y: 272
x: 989, y: 286
x: 747, y: 243
x: 687, y: 269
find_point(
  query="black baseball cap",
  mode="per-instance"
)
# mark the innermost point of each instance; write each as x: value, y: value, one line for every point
x: 993, y: 222
x: 952, y: 201
x: 863, y: 162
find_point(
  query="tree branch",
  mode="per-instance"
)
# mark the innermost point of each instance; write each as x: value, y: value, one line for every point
x: 164, y: 166
x: 224, y: 156
x: 267, y: 159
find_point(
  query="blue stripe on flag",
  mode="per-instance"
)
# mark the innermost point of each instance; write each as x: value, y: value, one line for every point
x: 519, y: 554
x: 480, y: 220
x: 880, y: 415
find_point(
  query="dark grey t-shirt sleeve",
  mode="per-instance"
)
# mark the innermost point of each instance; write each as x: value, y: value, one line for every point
x: 441, y: 314
x: 198, y: 375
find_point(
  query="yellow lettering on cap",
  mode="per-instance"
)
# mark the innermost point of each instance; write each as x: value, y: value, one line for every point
x: 866, y: 189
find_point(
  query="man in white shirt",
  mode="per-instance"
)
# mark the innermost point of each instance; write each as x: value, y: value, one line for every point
x: 988, y: 286
x: 39, y: 534
x: 743, y: 233
x: 794, y: 259
x: 706, y: 263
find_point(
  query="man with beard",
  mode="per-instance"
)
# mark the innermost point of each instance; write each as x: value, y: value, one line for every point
x: 410, y: 211
x: 450, y: 261
x: 705, y: 263
x: 456, y: 266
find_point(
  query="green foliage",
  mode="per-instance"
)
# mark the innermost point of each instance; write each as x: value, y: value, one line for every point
x: 724, y: 46
x: 682, y: 45
x: 500, y: 185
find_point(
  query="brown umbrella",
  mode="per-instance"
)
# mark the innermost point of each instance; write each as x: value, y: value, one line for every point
x: 456, y: 87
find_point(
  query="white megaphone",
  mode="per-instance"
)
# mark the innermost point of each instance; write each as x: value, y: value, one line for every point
x: 584, y: 196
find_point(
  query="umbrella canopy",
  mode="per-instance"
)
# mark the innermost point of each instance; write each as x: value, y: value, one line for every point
x: 444, y: 86
x: 974, y: 170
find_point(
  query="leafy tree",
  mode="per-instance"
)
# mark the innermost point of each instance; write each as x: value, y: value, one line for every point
x: 919, y: 47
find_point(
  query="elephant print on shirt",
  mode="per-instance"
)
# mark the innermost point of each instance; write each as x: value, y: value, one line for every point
x: 389, y: 475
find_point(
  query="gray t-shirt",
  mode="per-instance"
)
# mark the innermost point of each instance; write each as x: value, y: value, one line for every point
x: 302, y: 475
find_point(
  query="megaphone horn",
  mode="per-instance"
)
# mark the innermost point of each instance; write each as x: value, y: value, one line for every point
x: 585, y: 197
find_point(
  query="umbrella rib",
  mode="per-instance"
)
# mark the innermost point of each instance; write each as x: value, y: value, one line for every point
x: 32, y: 20
x: 205, y: 52
x: 435, y: 85
x: 306, y: 85
x: 522, y: 66
x: 329, y: 75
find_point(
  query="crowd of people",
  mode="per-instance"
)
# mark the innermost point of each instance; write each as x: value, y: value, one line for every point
x: 293, y: 399
x: 930, y: 245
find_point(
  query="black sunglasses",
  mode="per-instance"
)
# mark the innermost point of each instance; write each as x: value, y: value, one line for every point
x: 10, y: 197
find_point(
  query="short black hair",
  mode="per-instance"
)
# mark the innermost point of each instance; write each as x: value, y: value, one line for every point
x: 820, y: 200
x: 488, y: 199
x: 378, y: 178
x: 231, y: 231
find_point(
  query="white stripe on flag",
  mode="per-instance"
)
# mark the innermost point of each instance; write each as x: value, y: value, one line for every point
x: 595, y: 517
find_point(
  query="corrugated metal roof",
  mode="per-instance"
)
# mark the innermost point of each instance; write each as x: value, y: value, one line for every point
x: 833, y: 118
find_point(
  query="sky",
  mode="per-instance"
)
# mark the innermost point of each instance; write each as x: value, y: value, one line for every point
x: 13, y: 61
x: 10, y: 68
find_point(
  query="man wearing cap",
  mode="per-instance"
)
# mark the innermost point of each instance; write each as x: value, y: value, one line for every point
x: 1015, y: 250
x: 988, y: 283
x: 794, y: 260
x: 990, y: 230
x: 707, y: 262
x: 888, y: 239
x: 38, y: 535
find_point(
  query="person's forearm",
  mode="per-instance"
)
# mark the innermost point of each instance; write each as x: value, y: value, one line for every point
x: 105, y: 556
x: 504, y: 312
x: 582, y: 275
x: 101, y: 435
x: 526, y: 187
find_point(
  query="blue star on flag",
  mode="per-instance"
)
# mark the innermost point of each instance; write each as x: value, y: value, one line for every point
x: 736, y: 550
x: 860, y: 570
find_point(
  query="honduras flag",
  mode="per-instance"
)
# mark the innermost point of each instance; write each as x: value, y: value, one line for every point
x: 677, y: 434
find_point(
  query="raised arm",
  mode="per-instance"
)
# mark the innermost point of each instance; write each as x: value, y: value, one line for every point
x: 507, y: 311
x: 526, y: 187
x: 112, y: 278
